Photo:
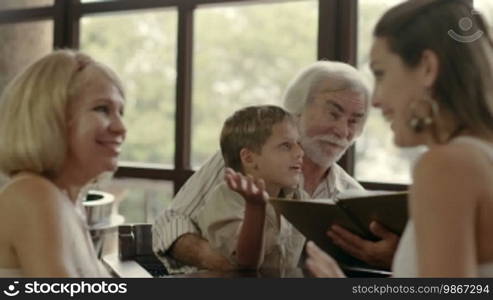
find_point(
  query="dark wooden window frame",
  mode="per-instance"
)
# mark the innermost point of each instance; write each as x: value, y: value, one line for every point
x: 337, y: 40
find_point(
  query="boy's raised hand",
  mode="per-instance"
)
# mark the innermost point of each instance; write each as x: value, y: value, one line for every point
x: 252, y: 189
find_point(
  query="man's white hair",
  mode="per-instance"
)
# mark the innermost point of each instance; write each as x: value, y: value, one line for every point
x: 341, y: 76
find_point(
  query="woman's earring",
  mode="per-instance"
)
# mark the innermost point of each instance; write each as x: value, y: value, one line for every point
x: 423, y: 112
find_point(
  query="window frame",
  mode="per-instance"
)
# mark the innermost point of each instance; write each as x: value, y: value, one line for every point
x: 336, y: 40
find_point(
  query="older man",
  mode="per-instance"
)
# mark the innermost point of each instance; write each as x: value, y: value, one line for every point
x: 331, y: 102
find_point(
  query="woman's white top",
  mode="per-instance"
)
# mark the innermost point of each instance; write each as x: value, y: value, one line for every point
x: 405, y: 262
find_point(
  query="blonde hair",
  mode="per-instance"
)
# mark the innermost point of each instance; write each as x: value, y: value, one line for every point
x: 33, y: 111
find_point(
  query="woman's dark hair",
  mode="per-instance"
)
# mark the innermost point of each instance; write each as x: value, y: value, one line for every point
x: 465, y: 56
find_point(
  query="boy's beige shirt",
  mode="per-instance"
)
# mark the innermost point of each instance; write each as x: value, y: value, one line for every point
x: 220, y: 222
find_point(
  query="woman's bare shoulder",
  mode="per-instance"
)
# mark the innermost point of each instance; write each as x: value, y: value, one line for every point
x: 452, y: 171
x: 30, y: 192
x: 453, y: 157
x: 30, y: 209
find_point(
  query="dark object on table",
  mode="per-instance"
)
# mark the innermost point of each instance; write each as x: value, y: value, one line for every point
x: 135, y: 243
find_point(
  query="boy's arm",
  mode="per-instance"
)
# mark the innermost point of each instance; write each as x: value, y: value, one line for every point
x: 250, y: 241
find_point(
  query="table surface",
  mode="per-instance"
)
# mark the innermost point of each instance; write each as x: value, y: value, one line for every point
x: 267, y: 273
x: 124, y: 269
x: 131, y: 269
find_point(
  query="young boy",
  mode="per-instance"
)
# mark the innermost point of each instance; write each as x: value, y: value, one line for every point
x: 260, y: 148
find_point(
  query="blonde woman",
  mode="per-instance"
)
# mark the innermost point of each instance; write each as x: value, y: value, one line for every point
x: 61, y: 127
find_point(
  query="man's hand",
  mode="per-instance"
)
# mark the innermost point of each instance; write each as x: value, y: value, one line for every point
x: 379, y: 254
x: 192, y: 249
x: 252, y: 189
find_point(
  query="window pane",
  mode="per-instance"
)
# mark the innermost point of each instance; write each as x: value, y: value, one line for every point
x: 22, y: 44
x: 141, y: 48
x: 245, y: 55
x: 377, y: 158
x: 485, y: 7
x: 14, y: 4
x: 140, y: 200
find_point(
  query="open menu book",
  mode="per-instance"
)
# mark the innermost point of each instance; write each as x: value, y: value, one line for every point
x: 354, y: 210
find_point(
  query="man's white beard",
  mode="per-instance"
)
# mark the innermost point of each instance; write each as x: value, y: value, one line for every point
x: 315, y: 153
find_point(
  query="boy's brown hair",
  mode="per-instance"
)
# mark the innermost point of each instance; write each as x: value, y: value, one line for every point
x: 249, y: 128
